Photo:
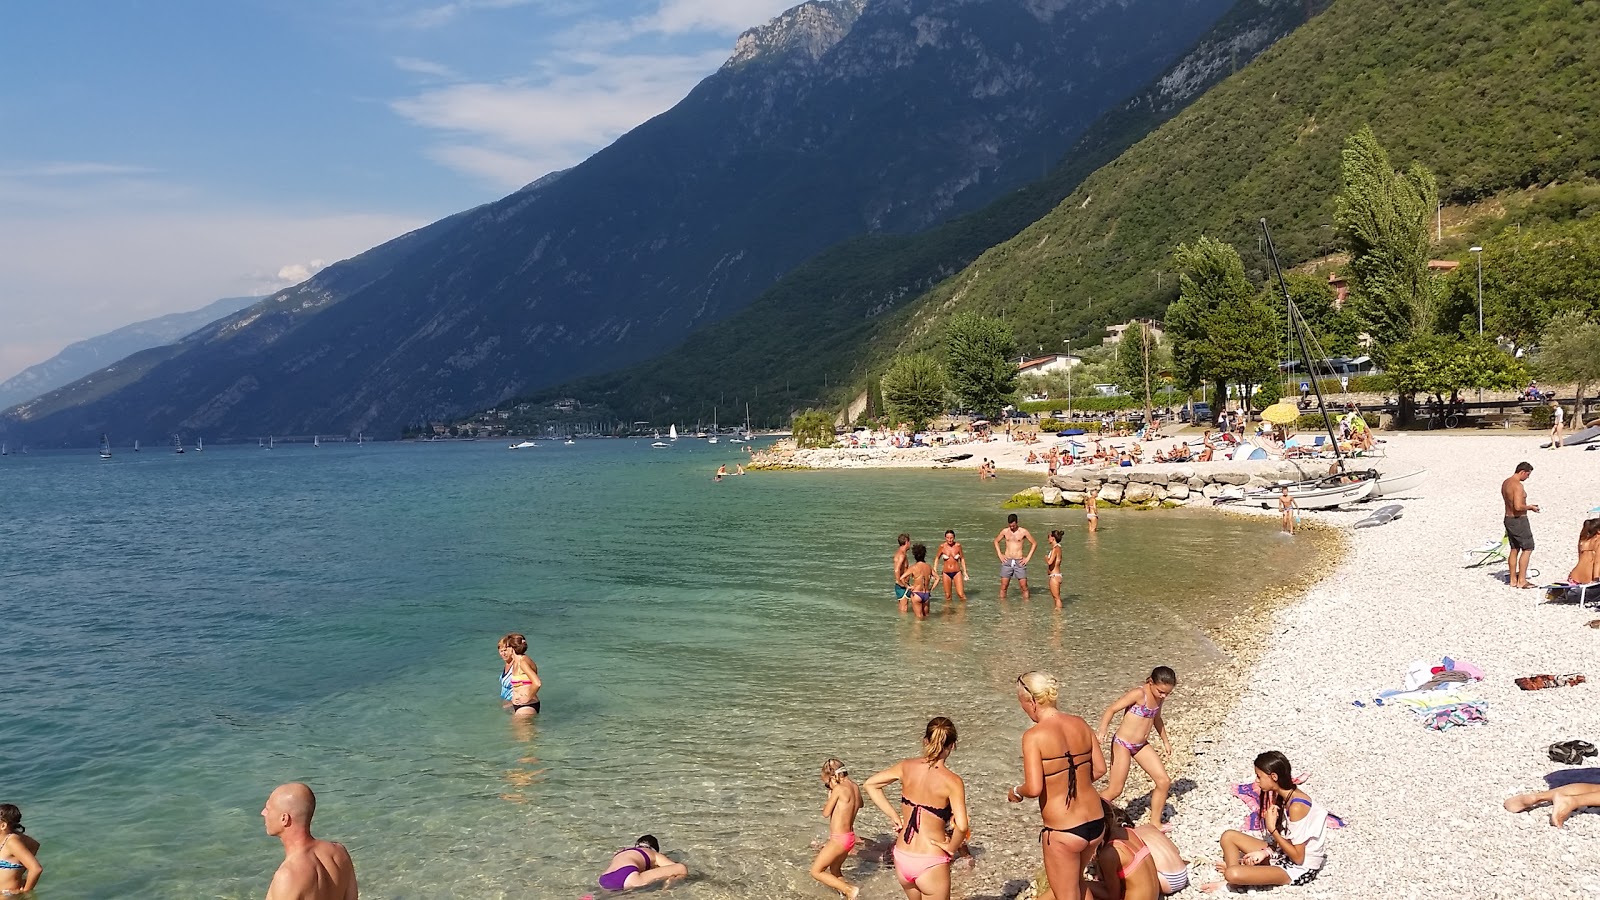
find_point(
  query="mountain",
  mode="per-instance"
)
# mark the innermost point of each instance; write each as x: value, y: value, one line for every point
x: 80, y: 358
x: 837, y: 119
x: 810, y: 331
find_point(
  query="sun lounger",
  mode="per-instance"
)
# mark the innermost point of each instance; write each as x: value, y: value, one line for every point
x: 1581, y: 594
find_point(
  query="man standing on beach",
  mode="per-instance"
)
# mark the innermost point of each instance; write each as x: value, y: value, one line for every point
x: 311, y: 869
x: 900, y: 567
x: 1518, y: 529
x: 1012, y: 562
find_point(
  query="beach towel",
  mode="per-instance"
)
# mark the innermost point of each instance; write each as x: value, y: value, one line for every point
x: 1250, y: 795
x: 1440, y: 718
x: 1540, y: 682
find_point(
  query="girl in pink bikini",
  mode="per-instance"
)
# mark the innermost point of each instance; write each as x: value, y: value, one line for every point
x: 1132, y: 740
x: 844, y: 801
x: 934, y: 826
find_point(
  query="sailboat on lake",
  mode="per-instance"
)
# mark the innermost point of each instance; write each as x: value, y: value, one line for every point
x: 177, y: 443
x: 713, y: 438
x: 105, y: 446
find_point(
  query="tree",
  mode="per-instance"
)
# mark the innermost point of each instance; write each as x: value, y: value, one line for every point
x: 1570, y: 352
x: 1530, y: 275
x: 813, y: 428
x: 1437, y: 364
x: 1140, y: 361
x: 980, y: 358
x: 914, y: 390
x: 1221, y: 333
x: 1384, y: 219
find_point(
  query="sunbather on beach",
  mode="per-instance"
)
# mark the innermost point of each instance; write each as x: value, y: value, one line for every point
x: 1588, y: 568
x: 1060, y: 762
x: 1296, y: 828
x: 639, y: 865
x: 1052, y: 566
x: 934, y: 825
x: 1564, y: 801
x: 844, y: 801
x: 1131, y: 743
x: 1171, y: 867
x: 953, y: 566
x: 919, y: 580
x: 1518, y: 529
x: 1125, y: 864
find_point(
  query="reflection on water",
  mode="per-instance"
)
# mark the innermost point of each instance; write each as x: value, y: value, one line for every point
x: 332, y: 617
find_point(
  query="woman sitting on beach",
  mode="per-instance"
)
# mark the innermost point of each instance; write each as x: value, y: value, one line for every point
x: 1588, y: 568
x: 1296, y: 827
x: 1060, y: 762
x: 935, y: 825
x: 639, y: 865
x: 844, y: 801
x: 19, y: 863
x: 1125, y: 864
x: 519, y: 681
x: 1142, y: 708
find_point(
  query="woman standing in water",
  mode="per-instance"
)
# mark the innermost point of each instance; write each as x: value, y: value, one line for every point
x: 935, y: 825
x: 1060, y: 762
x: 844, y: 801
x: 1052, y: 565
x: 519, y: 681
x: 19, y: 866
x: 1142, y: 715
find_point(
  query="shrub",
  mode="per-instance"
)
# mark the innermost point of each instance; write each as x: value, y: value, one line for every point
x: 813, y: 428
x: 1051, y: 425
x: 1541, y: 418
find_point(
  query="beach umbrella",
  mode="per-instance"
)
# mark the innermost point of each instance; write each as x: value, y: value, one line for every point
x: 1281, y: 413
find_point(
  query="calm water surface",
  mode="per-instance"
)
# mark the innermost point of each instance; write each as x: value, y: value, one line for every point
x: 184, y: 633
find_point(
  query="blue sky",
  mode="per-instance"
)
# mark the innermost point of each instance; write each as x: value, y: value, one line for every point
x: 158, y: 154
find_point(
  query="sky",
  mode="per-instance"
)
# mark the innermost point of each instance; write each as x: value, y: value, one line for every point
x: 156, y: 155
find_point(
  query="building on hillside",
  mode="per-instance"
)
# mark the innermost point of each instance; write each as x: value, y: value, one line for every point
x: 1341, y: 284
x: 1114, y: 332
x: 1043, y: 365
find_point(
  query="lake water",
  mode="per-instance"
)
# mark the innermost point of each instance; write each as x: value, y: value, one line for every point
x: 184, y: 633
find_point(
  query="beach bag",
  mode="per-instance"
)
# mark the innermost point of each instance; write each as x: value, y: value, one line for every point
x: 1572, y: 753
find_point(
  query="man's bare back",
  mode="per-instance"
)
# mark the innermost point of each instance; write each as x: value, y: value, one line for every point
x: 321, y: 870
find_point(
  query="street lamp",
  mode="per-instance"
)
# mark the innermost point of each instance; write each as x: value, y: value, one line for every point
x: 1068, y: 342
x: 1478, y: 252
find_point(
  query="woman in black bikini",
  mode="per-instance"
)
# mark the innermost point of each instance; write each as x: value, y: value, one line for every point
x: 1060, y: 762
x: 932, y: 827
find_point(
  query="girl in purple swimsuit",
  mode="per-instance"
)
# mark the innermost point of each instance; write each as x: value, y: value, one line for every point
x: 639, y: 865
x: 1131, y: 742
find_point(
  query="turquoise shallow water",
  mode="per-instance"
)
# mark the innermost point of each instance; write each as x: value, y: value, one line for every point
x: 183, y: 633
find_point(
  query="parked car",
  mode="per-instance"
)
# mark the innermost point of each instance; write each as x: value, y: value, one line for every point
x: 1202, y: 413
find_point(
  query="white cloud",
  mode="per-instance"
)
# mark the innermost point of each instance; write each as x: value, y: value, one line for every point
x: 425, y: 67
x: 72, y: 170
x: 515, y: 131
x: 719, y: 16
x: 444, y: 13
x: 294, y: 273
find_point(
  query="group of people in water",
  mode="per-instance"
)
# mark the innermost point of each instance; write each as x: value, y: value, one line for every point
x: 914, y: 575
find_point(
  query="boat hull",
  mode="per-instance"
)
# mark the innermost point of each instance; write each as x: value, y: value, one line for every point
x: 1394, y: 485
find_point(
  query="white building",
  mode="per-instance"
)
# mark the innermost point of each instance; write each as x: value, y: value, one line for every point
x: 1114, y: 332
x: 1044, y: 365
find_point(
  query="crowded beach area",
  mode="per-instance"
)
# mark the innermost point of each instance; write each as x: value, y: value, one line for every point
x: 1424, y: 787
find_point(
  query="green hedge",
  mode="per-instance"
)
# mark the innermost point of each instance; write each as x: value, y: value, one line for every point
x: 1541, y: 417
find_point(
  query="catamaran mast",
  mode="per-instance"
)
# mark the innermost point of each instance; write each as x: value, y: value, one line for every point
x: 1300, y: 337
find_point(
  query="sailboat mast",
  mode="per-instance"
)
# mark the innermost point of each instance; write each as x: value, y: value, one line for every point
x: 1300, y: 338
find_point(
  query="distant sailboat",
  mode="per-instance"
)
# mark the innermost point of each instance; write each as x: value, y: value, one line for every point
x: 177, y: 444
x: 360, y: 439
x: 316, y: 440
x: 744, y: 436
x: 713, y: 438
x: 672, y: 433
x: 272, y: 443
x: 136, y: 445
x: 199, y: 445
x: 105, y: 446
x: 3, y: 450
x: 260, y: 444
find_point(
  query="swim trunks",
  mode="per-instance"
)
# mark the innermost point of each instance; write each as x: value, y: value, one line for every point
x: 1520, y: 531
x: 1013, y: 568
x: 899, y: 592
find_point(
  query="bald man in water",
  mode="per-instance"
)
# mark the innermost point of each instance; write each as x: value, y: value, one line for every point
x: 311, y: 869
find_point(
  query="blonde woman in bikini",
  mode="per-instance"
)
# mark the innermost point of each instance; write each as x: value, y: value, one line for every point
x: 1091, y: 508
x: 953, y: 565
x: 1060, y: 762
x: 1131, y: 743
x: 934, y: 824
x: 844, y: 801
x: 1052, y: 565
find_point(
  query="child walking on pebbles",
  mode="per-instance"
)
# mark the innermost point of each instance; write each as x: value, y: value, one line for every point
x: 844, y: 801
x: 1286, y: 506
x: 1131, y: 743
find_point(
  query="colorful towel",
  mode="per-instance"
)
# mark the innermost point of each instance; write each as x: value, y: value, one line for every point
x: 1439, y: 718
x: 1250, y: 795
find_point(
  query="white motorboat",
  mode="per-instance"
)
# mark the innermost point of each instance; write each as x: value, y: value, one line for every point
x: 1394, y: 485
x: 570, y: 442
x: 523, y: 445
x: 660, y: 445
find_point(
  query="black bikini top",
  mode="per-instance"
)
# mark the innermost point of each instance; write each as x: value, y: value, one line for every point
x: 1071, y: 769
x: 916, y: 812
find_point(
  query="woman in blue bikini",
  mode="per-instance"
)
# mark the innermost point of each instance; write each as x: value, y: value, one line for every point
x: 19, y: 867
x: 1132, y: 740
x: 639, y: 865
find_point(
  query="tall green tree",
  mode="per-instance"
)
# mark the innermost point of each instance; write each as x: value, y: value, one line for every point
x: 1221, y: 332
x: 980, y: 355
x: 1530, y: 276
x: 813, y: 428
x: 1570, y: 353
x: 1440, y: 364
x: 914, y: 390
x: 1384, y: 218
x: 1141, y: 360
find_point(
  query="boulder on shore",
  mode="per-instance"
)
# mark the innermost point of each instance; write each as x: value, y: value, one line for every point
x: 1051, y: 495
x: 1138, y: 493
x: 1111, y: 493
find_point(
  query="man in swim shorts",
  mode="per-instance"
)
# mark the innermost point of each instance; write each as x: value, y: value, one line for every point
x: 1518, y: 529
x: 900, y: 566
x: 311, y: 869
x: 1013, y: 564
x: 953, y: 566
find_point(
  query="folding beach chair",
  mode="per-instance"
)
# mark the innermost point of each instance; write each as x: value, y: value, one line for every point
x: 1492, y: 552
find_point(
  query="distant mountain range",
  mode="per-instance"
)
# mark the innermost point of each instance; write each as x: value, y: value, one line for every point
x: 83, y: 357
x: 837, y: 119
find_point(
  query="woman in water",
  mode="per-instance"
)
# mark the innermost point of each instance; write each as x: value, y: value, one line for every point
x: 935, y: 825
x: 919, y: 580
x: 844, y: 801
x: 639, y: 865
x: 1060, y: 762
x: 19, y: 866
x: 1125, y: 864
x: 1588, y: 568
x: 1052, y: 565
x: 1091, y: 508
x: 1296, y: 827
x: 519, y: 681
x: 954, y: 566
x: 1132, y: 741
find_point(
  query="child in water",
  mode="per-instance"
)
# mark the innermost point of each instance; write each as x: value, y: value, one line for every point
x: 1286, y: 506
x: 844, y: 801
x: 1132, y: 740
